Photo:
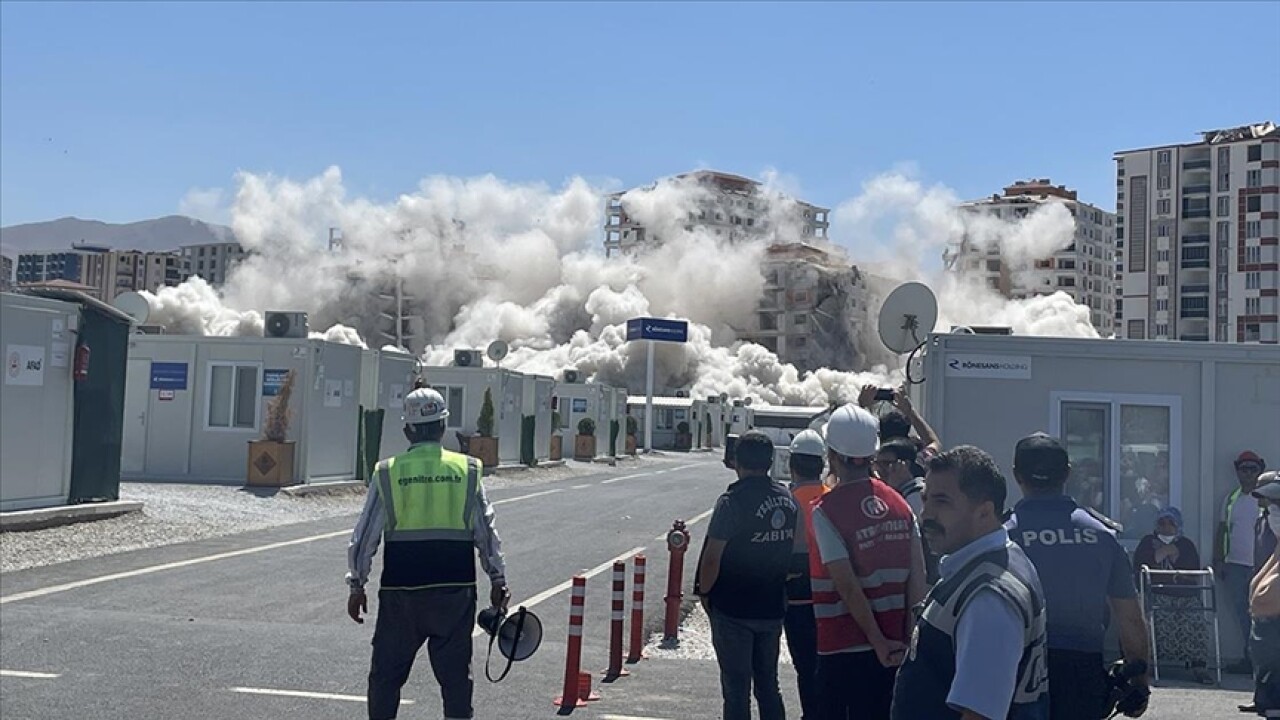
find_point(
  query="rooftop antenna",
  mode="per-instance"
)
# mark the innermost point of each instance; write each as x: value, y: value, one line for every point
x: 134, y: 305
x: 498, y: 350
x: 906, y: 319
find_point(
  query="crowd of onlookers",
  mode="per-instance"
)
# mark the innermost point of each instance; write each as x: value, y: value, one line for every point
x: 907, y: 589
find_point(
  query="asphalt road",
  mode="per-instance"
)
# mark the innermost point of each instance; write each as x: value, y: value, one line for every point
x: 231, y: 627
x: 254, y: 625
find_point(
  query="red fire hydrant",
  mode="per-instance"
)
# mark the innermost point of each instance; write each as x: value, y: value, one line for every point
x: 677, y: 544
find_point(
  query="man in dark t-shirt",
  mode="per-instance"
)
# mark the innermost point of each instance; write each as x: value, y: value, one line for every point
x: 742, y: 576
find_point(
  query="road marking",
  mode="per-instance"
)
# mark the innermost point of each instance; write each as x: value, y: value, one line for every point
x: 579, y: 487
x: 553, y: 591
x: 165, y: 566
x: 29, y: 674
x: 625, y: 477
x: 304, y: 694
x: 628, y: 717
x: 690, y: 522
x: 526, y: 497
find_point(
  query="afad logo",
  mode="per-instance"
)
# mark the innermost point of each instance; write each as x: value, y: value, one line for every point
x: 874, y: 508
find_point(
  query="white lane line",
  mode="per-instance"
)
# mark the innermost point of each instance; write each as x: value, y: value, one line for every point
x: 690, y: 522
x: 553, y: 591
x: 526, y: 497
x: 629, y: 717
x: 625, y: 477
x: 304, y: 694
x: 29, y: 674
x: 41, y: 592
x: 580, y: 487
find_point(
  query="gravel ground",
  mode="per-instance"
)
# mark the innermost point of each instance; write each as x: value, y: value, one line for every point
x: 175, y: 513
x: 695, y: 641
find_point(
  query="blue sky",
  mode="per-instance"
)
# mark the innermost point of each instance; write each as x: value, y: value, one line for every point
x: 115, y: 111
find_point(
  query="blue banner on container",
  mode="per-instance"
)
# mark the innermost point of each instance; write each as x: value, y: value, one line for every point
x: 168, y: 376
x: 272, y: 381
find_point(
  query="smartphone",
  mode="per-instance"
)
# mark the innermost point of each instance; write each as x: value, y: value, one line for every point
x: 884, y: 395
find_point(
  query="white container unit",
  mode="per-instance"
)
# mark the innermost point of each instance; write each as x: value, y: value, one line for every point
x: 463, y: 390
x: 538, y: 390
x: 36, y: 400
x: 192, y: 405
x: 394, y: 380
x: 582, y: 400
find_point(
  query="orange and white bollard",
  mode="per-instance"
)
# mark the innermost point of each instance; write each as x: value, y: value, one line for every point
x: 577, y: 684
x: 636, y: 653
x: 615, y: 630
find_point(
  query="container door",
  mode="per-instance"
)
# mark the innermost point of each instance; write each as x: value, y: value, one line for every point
x: 133, y: 459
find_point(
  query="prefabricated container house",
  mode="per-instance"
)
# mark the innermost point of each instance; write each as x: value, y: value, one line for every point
x: 386, y: 376
x: 668, y: 413
x: 463, y: 389
x: 1147, y: 423
x: 538, y: 391
x: 576, y: 401
x: 36, y: 406
x: 194, y: 403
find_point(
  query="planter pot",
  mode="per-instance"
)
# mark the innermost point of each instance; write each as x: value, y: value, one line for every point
x: 270, y: 463
x: 631, y: 444
x: 557, y: 446
x: 684, y: 441
x: 484, y: 448
x: 584, y: 447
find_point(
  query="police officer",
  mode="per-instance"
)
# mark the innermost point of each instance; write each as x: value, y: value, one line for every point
x: 1086, y: 577
x: 429, y: 505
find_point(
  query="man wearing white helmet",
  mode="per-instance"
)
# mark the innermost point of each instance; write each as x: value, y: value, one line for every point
x: 867, y: 572
x: 430, y: 506
x: 808, y: 455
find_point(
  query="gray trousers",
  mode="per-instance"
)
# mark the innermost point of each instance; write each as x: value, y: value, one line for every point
x: 440, y: 617
x: 747, y: 651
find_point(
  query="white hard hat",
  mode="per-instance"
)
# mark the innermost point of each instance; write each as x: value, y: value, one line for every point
x: 809, y: 442
x: 424, y: 405
x: 853, y: 432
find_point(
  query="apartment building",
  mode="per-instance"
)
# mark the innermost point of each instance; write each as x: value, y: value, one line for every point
x: 109, y: 272
x: 1196, y: 238
x: 6, y: 273
x: 213, y: 261
x: 1084, y: 269
x: 814, y: 308
x: 731, y: 206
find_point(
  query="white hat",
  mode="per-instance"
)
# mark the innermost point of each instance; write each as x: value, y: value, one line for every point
x: 424, y: 405
x: 853, y: 432
x: 809, y: 442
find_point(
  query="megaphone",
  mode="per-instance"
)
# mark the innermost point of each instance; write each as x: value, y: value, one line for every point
x: 517, y: 636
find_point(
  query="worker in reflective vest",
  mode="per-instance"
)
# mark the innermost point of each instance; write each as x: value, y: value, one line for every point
x: 429, y: 505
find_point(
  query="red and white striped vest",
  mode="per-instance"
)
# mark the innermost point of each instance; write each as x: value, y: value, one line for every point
x: 876, y: 526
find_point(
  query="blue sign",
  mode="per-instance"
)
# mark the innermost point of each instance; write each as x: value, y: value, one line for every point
x: 272, y: 381
x: 658, y: 329
x: 168, y: 376
x: 579, y: 405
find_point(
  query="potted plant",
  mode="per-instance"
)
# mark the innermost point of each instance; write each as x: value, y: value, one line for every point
x: 483, y: 444
x: 271, y: 458
x: 557, y: 440
x: 584, y: 445
x: 632, y: 428
x: 684, y: 439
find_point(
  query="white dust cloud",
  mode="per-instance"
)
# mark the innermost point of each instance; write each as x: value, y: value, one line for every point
x: 482, y: 259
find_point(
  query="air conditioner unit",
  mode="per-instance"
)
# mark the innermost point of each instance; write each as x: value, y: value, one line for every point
x: 285, y: 325
x: 149, y: 329
x: 713, y: 400
x: 682, y: 394
x: 468, y: 358
x: 991, y: 330
x: 572, y: 377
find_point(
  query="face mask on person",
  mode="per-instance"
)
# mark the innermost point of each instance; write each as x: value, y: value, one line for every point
x: 1166, y: 539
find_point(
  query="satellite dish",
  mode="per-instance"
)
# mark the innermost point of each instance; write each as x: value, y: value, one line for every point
x: 134, y: 305
x: 907, y: 317
x: 498, y: 350
x: 747, y: 402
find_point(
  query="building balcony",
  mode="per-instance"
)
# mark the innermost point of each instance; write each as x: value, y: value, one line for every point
x: 1190, y: 314
x: 1195, y: 264
x: 1195, y: 290
x: 1196, y: 213
x: 1197, y: 239
x: 1196, y: 164
x: 1196, y: 189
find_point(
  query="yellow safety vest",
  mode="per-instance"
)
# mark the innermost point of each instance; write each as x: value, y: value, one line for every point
x: 429, y: 496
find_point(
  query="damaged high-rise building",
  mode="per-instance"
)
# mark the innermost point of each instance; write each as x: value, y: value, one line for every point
x: 814, y: 307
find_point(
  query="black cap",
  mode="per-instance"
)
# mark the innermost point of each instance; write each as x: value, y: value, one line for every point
x: 754, y: 451
x: 1041, y: 458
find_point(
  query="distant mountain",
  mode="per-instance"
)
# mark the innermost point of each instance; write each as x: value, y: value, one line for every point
x: 166, y: 233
